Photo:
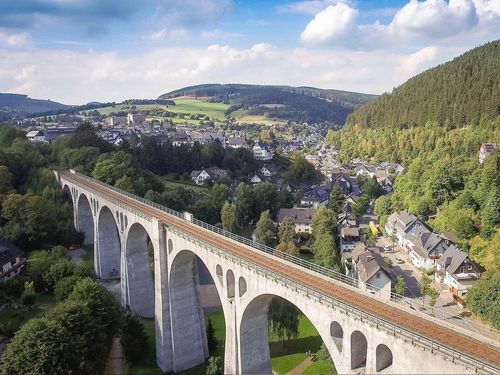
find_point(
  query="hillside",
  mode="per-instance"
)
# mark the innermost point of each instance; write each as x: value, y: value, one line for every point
x: 453, y: 94
x: 22, y: 104
x: 299, y: 104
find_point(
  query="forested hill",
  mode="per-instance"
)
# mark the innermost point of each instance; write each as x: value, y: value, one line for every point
x: 23, y: 104
x: 299, y: 104
x: 455, y: 94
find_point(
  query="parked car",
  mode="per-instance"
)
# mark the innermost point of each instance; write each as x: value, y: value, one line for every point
x: 387, y: 248
x: 399, y: 261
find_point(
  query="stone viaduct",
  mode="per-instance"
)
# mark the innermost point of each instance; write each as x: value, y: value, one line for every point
x: 155, y: 253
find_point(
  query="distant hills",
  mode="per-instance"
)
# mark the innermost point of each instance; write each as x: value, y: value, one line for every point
x: 299, y: 104
x: 23, y: 104
x: 453, y: 94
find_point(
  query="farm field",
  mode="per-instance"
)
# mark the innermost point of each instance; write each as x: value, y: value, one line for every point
x: 188, y: 106
x: 191, y: 106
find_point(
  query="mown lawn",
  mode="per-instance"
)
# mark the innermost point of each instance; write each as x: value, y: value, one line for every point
x: 288, y: 356
x: 320, y: 368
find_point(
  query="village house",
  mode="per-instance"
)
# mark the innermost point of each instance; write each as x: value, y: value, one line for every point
x: 458, y: 272
x: 385, y: 180
x: 237, y: 142
x: 181, y: 138
x: 11, y: 260
x: 113, y: 121
x: 369, y: 268
x: 301, y: 217
x: 262, y: 151
x: 365, y: 170
x: 342, y: 182
x: 135, y: 118
x: 36, y: 136
x: 269, y: 170
x: 428, y: 248
x: 349, y: 238
x: 406, y: 227
x: 486, y: 149
x: 315, y: 197
x: 258, y: 178
x: 212, y: 174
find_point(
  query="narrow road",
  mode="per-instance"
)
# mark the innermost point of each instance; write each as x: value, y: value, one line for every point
x: 406, y: 320
x: 115, y: 364
x: 301, y: 367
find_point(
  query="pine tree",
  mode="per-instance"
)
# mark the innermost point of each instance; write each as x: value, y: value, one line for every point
x: 211, y: 339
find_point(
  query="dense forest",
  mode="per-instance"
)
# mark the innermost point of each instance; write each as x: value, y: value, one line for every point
x: 455, y: 94
x: 23, y: 104
x: 298, y: 104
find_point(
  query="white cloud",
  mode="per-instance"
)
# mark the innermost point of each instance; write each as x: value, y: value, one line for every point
x: 219, y: 34
x: 57, y: 74
x: 13, y: 39
x: 435, y: 18
x: 418, y: 22
x: 173, y: 34
x: 333, y: 22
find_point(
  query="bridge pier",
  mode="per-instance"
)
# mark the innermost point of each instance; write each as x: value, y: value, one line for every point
x: 163, y: 331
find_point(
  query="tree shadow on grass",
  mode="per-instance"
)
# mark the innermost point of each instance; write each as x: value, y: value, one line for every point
x: 301, y: 345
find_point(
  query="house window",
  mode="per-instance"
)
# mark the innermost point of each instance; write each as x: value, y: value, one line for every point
x: 470, y: 267
x: 378, y: 275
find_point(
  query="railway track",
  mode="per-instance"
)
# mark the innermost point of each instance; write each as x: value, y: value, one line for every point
x: 413, y: 323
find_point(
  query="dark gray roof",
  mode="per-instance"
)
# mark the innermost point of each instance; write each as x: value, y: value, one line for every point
x: 369, y: 263
x: 8, y: 251
x: 298, y: 215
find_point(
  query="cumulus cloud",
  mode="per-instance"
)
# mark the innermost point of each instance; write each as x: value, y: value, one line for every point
x: 435, y: 18
x: 417, y: 21
x: 333, y: 22
x: 56, y: 74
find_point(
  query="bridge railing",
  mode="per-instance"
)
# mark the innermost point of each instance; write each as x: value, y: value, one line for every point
x: 372, y: 289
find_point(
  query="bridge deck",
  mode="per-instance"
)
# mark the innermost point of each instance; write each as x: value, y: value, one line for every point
x: 401, y: 318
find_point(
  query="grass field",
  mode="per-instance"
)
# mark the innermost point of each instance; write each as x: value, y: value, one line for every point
x: 287, y: 357
x: 192, y: 106
x: 188, y: 106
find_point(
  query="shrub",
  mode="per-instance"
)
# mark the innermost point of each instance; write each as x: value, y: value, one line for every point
x: 65, y: 286
x: 133, y: 337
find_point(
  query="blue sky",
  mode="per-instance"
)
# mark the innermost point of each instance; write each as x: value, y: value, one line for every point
x: 77, y: 51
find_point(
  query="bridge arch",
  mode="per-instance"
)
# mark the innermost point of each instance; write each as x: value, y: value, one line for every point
x: 337, y: 334
x: 67, y: 193
x: 187, y: 315
x: 254, y: 343
x: 359, y: 350
x: 85, y: 219
x: 230, y: 284
x: 108, y: 247
x: 139, y: 274
x: 383, y: 357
